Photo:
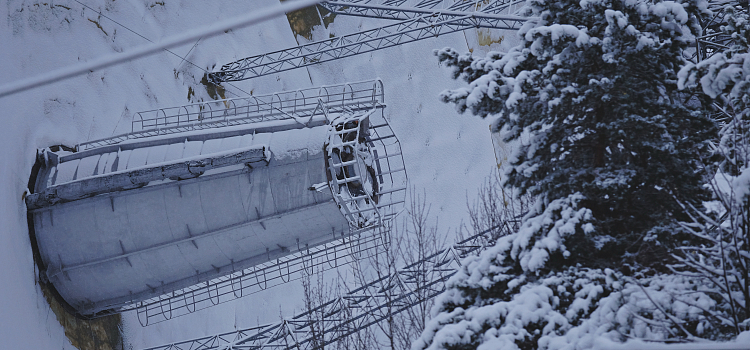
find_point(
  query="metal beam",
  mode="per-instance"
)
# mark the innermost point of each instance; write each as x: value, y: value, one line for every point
x: 413, y: 29
x: 130, y: 179
x: 343, y: 316
x: 307, y: 260
x: 298, y: 106
x: 402, y: 10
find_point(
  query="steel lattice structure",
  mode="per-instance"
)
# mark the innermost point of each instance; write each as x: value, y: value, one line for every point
x: 355, y: 311
x: 269, y: 138
x: 403, y: 9
x: 300, y: 105
x: 242, y: 283
x: 713, y: 40
x: 421, y: 21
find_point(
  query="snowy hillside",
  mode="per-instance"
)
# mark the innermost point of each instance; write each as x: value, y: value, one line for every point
x: 446, y: 155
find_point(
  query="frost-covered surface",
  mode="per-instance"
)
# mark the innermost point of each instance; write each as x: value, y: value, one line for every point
x: 588, y: 93
x: 40, y: 36
x: 506, y: 298
x: 726, y: 71
x: 573, y: 309
x: 721, y: 261
x: 589, y: 89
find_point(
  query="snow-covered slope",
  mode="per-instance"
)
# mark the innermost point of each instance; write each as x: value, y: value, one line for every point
x: 446, y: 155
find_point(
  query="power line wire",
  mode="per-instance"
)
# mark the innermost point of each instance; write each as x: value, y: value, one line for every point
x: 188, y: 54
x: 106, y: 61
x: 167, y: 50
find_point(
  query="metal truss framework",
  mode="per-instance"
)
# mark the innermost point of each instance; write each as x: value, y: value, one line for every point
x: 713, y: 40
x: 355, y: 311
x: 423, y: 21
x: 300, y: 105
x: 306, y: 261
x: 313, y: 105
x: 403, y: 9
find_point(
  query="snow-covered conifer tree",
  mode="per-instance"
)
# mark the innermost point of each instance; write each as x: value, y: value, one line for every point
x: 593, y: 85
x: 722, y: 259
x: 607, y: 147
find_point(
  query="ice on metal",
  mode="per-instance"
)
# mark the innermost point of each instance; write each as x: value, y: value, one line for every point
x: 135, y: 217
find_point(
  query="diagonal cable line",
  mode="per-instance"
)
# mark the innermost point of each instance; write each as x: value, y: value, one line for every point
x: 167, y: 50
x: 211, y: 30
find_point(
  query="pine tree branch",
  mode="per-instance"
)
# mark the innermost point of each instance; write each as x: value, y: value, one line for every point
x: 671, y: 318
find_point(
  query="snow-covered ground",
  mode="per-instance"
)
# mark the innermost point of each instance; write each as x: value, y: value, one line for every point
x: 446, y: 155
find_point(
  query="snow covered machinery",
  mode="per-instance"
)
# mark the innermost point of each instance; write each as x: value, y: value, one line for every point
x: 206, y: 190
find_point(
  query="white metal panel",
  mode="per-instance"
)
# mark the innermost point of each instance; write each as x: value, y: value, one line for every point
x: 106, y: 161
x: 111, y: 225
x: 185, y: 218
x: 113, y: 161
x: 73, y: 240
x: 211, y: 146
x: 66, y: 171
x: 246, y: 140
x: 240, y: 243
x: 137, y: 158
x: 174, y: 151
x: 221, y: 202
x: 156, y: 154
x: 257, y: 197
x: 87, y: 166
x: 192, y: 149
x: 101, y: 164
x: 231, y: 142
x: 124, y: 158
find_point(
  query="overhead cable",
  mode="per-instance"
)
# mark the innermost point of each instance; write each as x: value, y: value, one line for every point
x: 106, y: 61
x: 183, y: 58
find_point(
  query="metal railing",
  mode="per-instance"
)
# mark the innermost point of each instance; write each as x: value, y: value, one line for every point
x: 360, y: 308
x: 369, y: 189
x: 388, y: 173
x: 299, y: 105
x: 307, y: 260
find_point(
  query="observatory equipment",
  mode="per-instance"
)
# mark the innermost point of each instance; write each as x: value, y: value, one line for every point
x: 414, y: 20
x: 201, y: 191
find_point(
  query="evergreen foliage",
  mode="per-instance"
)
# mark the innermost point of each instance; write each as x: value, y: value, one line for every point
x: 591, y: 94
x: 722, y: 261
x: 572, y: 309
x: 725, y: 78
x: 611, y: 152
